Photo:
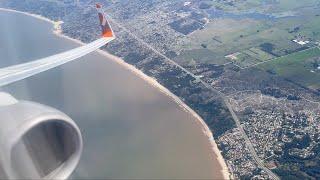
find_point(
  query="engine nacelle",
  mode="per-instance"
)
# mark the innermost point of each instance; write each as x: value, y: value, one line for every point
x: 36, y: 141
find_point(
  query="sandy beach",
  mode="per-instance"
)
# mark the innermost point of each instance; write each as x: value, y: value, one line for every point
x: 215, y: 151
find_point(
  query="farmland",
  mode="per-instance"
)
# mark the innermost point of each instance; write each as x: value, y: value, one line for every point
x: 300, y: 67
x: 229, y: 30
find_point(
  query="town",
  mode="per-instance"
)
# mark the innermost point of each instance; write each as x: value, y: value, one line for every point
x: 250, y: 70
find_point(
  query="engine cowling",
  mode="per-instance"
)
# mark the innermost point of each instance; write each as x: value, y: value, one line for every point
x: 36, y: 141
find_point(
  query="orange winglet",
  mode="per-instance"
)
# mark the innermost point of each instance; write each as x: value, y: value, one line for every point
x: 105, y: 26
x: 107, y: 33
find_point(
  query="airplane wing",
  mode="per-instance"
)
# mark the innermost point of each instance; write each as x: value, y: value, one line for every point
x: 21, y: 71
x: 37, y: 141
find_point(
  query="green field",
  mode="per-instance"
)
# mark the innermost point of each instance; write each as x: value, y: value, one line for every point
x: 224, y: 36
x: 277, y: 6
x: 258, y: 54
x: 250, y: 57
x: 202, y: 55
x: 300, y: 67
x: 241, y: 35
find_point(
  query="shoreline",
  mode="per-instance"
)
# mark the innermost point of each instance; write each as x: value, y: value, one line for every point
x: 153, y: 82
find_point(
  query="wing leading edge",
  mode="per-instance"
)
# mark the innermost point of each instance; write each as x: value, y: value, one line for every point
x: 21, y: 71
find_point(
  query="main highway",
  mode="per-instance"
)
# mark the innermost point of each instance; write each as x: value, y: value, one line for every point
x: 258, y: 161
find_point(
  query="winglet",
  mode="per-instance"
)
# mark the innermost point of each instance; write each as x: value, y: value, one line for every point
x: 105, y: 25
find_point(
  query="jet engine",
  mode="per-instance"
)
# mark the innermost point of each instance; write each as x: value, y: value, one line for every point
x: 36, y: 141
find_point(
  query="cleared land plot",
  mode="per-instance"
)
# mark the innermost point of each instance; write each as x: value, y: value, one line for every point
x: 249, y: 57
x: 236, y: 6
x: 243, y: 60
x: 199, y: 55
x: 258, y: 54
x: 298, y: 67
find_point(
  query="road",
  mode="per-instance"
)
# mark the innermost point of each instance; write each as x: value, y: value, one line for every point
x: 249, y: 144
x: 222, y: 95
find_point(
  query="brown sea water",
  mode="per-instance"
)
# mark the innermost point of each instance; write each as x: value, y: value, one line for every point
x: 130, y: 128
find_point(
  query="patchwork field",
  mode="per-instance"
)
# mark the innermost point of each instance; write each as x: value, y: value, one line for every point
x: 301, y: 67
x: 241, y: 33
x: 249, y: 57
x: 271, y: 5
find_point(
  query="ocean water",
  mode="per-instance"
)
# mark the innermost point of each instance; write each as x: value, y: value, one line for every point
x: 130, y: 129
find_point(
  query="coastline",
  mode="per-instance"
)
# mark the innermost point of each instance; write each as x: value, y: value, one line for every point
x: 153, y: 82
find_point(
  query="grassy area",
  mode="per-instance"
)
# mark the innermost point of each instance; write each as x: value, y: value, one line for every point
x: 298, y: 67
x: 249, y: 57
x: 258, y: 54
x: 275, y: 6
x: 224, y: 36
x: 244, y: 60
x: 202, y: 55
x: 287, y: 5
x: 237, y: 5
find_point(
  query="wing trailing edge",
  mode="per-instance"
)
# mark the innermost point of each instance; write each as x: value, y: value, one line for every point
x: 18, y: 72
